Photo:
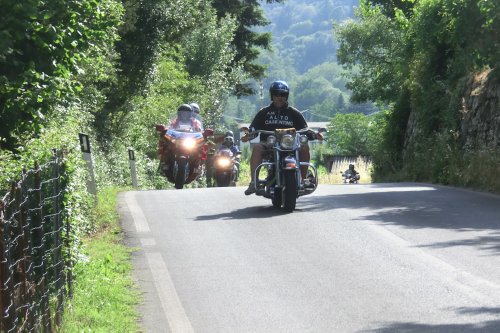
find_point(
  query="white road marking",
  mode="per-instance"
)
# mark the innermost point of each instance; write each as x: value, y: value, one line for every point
x: 148, y: 242
x: 172, y: 307
x: 140, y: 222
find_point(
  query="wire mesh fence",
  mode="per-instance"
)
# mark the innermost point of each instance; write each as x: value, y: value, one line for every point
x: 35, y: 269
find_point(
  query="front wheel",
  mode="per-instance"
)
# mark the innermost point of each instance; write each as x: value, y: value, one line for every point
x: 180, y: 176
x: 277, y: 197
x: 223, y: 180
x: 290, y: 191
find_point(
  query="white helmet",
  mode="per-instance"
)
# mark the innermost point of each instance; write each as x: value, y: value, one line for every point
x: 195, y: 107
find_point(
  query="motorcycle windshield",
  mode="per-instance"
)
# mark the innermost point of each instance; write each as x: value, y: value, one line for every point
x: 177, y: 134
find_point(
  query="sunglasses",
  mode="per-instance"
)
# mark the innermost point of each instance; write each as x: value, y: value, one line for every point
x: 280, y: 94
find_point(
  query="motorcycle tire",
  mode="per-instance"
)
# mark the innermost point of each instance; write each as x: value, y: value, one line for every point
x: 290, y: 191
x: 277, y: 197
x: 223, y: 180
x: 180, y: 177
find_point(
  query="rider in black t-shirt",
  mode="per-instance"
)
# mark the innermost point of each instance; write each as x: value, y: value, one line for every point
x: 277, y: 115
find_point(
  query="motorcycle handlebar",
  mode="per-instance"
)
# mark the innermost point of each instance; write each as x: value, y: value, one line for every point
x: 311, y: 134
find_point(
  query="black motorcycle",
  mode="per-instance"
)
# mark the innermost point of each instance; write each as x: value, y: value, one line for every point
x: 283, y: 183
x: 350, y: 178
x: 225, y: 167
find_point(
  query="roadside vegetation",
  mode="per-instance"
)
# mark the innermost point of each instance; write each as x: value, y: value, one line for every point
x: 417, y: 58
x: 105, y: 297
x: 114, y: 69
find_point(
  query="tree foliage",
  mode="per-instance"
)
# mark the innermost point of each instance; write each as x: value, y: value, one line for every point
x: 349, y: 134
x: 415, y: 56
x: 247, y: 42
x: 45, y: 52
x: 148, y: 27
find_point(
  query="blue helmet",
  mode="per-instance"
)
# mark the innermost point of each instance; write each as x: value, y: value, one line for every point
x: 279, y: 88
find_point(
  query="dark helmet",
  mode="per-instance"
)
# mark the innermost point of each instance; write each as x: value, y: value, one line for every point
x: 351, y: 166
x: 184, y: 112
x: 195, y: 107
x: 229, y: 140
x: 279, y: 88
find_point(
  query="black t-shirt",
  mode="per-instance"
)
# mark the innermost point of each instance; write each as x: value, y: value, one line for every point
x: 271, y: 118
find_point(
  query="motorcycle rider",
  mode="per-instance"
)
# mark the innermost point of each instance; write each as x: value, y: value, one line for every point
x: 229, y: 143
x: 276, y: 115
x: 351, y: 173
x: 186, y: 120
x: 183, y: 121
x: 196, y: 113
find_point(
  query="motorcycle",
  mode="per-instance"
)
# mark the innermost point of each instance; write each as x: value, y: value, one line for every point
x: 181, y: 153
x: 349, y: 178
x: 283, y: 183
x: 226, y: 167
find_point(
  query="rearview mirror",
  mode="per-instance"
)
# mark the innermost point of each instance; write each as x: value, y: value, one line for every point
x: 160, y: 128
x: 208, y: 132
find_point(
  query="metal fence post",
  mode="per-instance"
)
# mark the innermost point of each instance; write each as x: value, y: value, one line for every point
x: 22, y: 276
x: 39, y: 251
x: 57, y: 228
x: 6, y: 277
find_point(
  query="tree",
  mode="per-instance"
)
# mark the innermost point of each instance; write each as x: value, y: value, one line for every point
x: 48, y: 49
x: 377, y: 45
x: 348, y: 134
x: 209, y: 56
x: 149, y: 26
x: 246, y: 41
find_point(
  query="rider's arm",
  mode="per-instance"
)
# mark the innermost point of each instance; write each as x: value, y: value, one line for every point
x: 299, y: 120
x: 258, y: 121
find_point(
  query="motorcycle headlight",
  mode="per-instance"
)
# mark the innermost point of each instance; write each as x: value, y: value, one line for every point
x: 223, y: 162
x: 303, y: 139
x: 287, y: 141
x: 271, y: 140
x: 188, y: 143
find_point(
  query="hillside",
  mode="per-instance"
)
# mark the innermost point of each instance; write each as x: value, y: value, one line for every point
x: 303, y: 53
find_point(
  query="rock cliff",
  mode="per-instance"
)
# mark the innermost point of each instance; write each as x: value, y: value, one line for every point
x: 480, y: 124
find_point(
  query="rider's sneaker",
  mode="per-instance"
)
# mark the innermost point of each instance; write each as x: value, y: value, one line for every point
x: 250, y: 189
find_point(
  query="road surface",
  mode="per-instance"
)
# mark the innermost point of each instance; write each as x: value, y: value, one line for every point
x: 352, y: 258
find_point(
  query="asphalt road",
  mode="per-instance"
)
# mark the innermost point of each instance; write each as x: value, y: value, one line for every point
x: 351, y: 258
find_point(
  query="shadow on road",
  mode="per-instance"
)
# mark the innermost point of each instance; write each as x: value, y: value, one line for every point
x: 254, y: 212
x: 425, y: 207
x: 490, y: 326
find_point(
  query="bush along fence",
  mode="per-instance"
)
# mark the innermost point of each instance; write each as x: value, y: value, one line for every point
x: 35, y: 269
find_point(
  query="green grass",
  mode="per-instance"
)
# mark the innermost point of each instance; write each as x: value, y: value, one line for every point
x: 104, y: 294
x: 335, y: 176
x: 324, y: 176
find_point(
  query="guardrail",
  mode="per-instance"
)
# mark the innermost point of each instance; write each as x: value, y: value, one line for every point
x: 35, y: 265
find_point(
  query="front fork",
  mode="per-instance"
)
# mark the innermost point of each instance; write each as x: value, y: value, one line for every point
x: 289, y: 163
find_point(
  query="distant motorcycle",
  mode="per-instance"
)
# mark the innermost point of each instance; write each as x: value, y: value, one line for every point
x: 226, y: 167
x: 182, y: 153
x: 283, y: 183
x: 350, y: 178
